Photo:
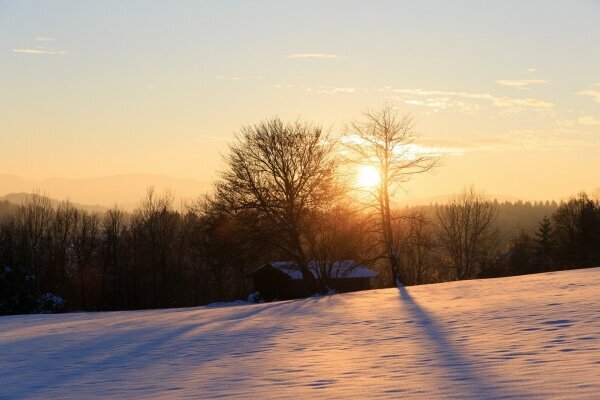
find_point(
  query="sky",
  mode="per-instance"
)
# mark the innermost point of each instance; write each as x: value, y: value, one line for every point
x: 508, y: 92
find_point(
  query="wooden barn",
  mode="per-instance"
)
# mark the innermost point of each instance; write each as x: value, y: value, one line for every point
x: 282, y: 280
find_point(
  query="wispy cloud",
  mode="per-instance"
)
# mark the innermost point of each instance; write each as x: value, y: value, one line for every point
x: 588, y: 121
x: 237, y: 78
x: 318, y: 89
x: 40, y: 51
x: 438, y: 149
x: 314, y: 55
x: 524, y: 139
x: 429, y: 93
x: 439, y: 99
x: 330, y: 89
x: 597, y: 84
x: 440, y: 102
x: 44, y: 39
x: 520, y: 83
x: 531, y: 69
x: 516, y: 103
x: 591, y: 93
x: 515, y: 140
x: 432, y: 142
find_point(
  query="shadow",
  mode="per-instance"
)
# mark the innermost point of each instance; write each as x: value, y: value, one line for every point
x: 84, y: 359
x: 458, y: 369
x: 119, y: 356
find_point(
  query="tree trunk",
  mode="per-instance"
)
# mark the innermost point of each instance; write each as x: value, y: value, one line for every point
x: 386, y: 219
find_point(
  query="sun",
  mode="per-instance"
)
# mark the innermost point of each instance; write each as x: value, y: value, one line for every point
x: 368, y: 177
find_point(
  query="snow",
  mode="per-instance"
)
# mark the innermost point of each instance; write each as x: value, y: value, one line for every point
x: 339, y: 269
x: 533, y: 337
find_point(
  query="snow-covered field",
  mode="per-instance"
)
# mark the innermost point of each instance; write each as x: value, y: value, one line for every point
x: 535, y: 336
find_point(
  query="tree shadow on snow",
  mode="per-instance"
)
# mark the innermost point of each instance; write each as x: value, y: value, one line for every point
x: 458, y: 369
x: 119, y: 357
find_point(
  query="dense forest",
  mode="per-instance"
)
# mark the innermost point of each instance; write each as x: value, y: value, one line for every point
x: 285, y: 193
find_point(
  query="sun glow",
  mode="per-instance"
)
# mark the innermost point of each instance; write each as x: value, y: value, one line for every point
x: 368, y: 177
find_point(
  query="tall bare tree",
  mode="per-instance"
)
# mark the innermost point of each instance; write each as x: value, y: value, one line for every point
x: 84, y: 248
x: 385, y: 140
x: 34, y: 219
x: 61, y: 240
x: 467, y: 230
x: 156, y: 224
x: 277, y: 174
x: 337, y: 235
x: 113, y: 229
x: 414, y: 230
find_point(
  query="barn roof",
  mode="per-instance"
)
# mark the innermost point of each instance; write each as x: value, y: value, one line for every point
x: 339, y: 269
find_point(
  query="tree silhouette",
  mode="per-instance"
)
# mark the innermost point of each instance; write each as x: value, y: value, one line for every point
x: 467, y: 231
x: 544, y: 245
x: 277, y: 174
x: 385, y: 140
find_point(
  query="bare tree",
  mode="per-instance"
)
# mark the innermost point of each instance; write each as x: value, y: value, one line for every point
x: 385, y: 140
x: 277, y: 173
x: 577, y: 232
x: 156, y: 224
x: 84, y: 248
x: 415, y: 231
x: 337, y: 235
x: 467, y: 231
x: 113, y: 227
x: 34, y: 219
x: 61, y: 239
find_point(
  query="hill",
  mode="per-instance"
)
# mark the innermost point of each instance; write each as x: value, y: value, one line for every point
x: 16, y: 199
x: 535, y: 336
x: 125, y: 190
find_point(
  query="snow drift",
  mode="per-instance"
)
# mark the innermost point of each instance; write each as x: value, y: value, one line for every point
x: 535, y: 336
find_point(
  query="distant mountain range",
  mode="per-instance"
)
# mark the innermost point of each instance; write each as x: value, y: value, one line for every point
x: 97, y: 193
x: 16, y: 199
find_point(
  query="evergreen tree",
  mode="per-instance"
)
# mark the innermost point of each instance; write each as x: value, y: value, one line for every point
x: 544, y: 246
x: 521, y: 254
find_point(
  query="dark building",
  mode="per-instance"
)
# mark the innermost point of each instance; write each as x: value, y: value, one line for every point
x: 282, y: 280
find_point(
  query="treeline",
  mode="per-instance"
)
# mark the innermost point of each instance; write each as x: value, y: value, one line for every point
x: 56, y: 258
x: 569, y: 239
x: 474, y: 237
x: 59, y: 258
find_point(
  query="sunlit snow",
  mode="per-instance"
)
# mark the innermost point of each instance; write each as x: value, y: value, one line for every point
x: 534, y: 336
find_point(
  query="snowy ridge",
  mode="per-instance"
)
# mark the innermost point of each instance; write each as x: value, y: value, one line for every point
x: 535, y: 336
